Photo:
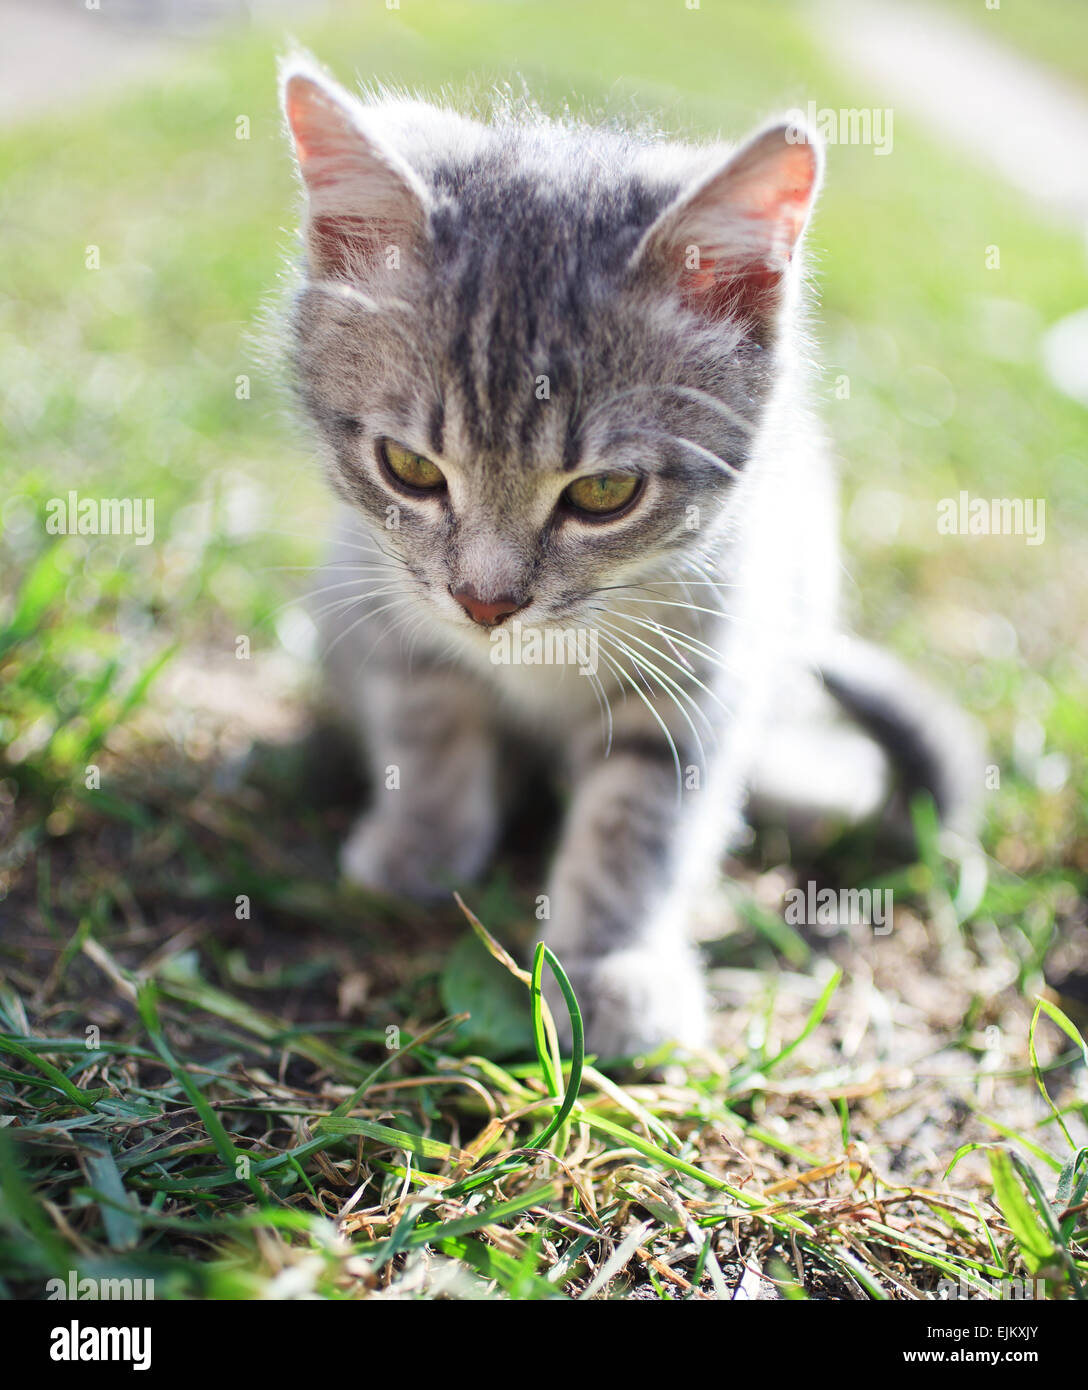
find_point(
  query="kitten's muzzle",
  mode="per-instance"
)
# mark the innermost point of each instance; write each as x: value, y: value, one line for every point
x: 486, y: 613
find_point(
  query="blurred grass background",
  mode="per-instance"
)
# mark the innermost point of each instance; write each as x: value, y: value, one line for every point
x: 124, y: 378
x: 124, y: 381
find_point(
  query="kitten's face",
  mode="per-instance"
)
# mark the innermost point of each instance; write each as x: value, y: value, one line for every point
x: 539, y: 378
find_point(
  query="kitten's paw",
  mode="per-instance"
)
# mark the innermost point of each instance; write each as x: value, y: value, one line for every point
x: 371, y: 858
x: 635, y: 1000
x: 385, y: 854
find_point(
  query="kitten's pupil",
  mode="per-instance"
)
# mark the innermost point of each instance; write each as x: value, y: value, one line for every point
x: 602, y: 493
x: 410, y: 468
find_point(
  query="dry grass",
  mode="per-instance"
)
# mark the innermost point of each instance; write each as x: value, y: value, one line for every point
x: 154, y: 1035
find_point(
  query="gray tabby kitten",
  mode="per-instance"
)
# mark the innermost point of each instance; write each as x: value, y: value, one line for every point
x: 559, y: 377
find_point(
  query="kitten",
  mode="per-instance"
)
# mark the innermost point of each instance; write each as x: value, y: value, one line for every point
x: 559, y: 377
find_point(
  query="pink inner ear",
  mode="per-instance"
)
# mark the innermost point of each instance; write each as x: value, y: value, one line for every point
x: 753, y: 221
x: 346, y: 244
x: 359, y: 203
x: 318, y: 129
x: 731, y: 289
x: 742, y: 287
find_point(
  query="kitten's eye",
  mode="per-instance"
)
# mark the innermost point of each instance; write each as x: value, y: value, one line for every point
x: 603, y: 493
x: 413, y: 470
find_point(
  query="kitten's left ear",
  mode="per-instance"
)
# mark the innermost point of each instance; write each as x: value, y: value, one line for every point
x: 727, y: 243
x: 364, y: 201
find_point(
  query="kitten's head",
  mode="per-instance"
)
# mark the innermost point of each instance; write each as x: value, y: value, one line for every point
x: 540, y: 355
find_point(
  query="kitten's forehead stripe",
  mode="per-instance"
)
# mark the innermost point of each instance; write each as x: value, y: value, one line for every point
x: 548, y: 241
x: 572, y: 451
x: 436, y: 427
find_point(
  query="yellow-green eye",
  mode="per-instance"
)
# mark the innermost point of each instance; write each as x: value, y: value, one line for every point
x: 602, y: 493
x: 411, y: 469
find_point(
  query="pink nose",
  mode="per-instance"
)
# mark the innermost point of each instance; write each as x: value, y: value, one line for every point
x: 486, y: 614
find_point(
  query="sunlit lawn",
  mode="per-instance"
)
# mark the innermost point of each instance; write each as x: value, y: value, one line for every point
x: 155, y: 375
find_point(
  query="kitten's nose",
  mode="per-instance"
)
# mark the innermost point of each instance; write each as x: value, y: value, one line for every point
x: 482, y: 612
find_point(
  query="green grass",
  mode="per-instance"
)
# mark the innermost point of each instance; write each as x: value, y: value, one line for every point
x: 221, y: 1071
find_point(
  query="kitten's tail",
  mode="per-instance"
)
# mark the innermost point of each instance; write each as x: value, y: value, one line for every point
x: 933, y: 745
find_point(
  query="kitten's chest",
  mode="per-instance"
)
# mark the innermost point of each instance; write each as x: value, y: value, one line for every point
x: 542, y: 679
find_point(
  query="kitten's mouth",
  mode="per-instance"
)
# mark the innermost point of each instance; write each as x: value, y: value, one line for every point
x: 486, y: 630
x: 526, y: 618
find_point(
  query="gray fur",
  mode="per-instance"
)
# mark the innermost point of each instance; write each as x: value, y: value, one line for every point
x: 528, y: 250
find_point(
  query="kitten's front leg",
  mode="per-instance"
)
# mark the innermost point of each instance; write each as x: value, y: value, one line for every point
x: 620, y: 900
x: 433, y: 817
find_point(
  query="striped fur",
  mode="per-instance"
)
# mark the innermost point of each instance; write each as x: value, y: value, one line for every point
x: 519, y: 302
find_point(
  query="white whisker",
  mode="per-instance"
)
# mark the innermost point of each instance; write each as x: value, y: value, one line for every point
x: 621, y: 671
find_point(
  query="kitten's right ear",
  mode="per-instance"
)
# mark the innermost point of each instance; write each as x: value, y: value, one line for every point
x: 366, y: 208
